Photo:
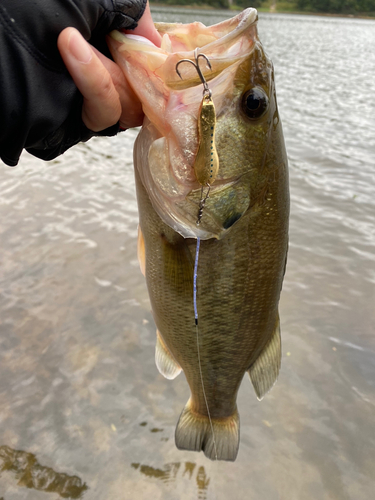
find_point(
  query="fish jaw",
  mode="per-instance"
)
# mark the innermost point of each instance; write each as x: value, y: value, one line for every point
x: 171, y: 106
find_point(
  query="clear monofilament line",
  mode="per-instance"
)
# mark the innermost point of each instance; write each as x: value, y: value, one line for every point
x: 197, y: 332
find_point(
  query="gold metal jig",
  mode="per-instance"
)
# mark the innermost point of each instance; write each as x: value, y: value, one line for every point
x: 206, y: 165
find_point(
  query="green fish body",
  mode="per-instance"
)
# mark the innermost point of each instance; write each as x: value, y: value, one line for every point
x: 243, y: 230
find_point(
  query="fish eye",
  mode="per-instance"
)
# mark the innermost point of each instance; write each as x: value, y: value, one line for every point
x: 254, y: 103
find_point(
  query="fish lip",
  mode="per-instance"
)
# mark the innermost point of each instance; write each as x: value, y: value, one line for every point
x: 244, y: 20
x: 241, y: 22
x: 138, y: 38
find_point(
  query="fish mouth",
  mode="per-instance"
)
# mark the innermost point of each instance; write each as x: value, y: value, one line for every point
x: 222, y: 43
x: 167, y: 145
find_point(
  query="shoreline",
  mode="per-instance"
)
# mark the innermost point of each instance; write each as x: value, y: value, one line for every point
x: 267, y: 11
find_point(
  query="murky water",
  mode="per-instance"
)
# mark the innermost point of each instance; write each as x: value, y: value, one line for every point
x: 83, y: 410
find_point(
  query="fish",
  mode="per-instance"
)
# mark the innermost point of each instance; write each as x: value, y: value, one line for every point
x: 214, y: 261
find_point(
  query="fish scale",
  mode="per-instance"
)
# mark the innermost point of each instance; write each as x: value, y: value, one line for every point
x: 243, y: 231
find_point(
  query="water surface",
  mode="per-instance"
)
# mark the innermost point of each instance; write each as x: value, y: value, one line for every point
x: 84, y: 412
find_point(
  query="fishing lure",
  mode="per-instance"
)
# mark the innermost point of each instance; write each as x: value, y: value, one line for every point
x: 206, y: 165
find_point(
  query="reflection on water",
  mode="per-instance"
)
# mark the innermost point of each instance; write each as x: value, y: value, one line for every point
x: 79, y: 389
x: 30, y: 474
x: 169, y: 473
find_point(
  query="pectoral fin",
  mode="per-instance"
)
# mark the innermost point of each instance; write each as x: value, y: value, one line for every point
x: 165, y: 362
x: 264, y: 372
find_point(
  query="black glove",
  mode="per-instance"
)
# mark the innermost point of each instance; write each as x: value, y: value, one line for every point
x: 40, y: 106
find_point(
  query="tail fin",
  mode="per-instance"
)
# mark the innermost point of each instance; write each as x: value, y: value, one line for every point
x: 194, y: 433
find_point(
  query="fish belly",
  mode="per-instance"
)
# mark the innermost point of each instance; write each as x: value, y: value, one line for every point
x: 239, y: 280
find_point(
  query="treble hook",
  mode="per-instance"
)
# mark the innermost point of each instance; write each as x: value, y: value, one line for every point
x: 206, y: 89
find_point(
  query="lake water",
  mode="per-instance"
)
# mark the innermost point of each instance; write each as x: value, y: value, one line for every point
x: 84, y: 412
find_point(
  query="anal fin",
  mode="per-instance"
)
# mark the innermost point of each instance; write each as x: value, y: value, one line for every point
x: 194, y: 433
x: 165, y: 362
x: 264, y: 372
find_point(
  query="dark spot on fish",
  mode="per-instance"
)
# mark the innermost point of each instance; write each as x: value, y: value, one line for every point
x: 156, y: 430
x: 164, y: 439
x: 229, y: 222
x: 143, y: 424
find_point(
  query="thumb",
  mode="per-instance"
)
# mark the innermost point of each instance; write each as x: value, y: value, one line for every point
x: 101, y: 107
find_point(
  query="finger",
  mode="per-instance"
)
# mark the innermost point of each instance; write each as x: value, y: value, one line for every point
x: 146, y: 28
x: 132, y: 113
x: 101, y: 106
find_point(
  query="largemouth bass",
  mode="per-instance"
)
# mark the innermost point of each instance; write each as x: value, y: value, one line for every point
x: 243, y: 229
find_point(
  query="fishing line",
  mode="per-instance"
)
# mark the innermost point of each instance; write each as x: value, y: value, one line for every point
x: 195, y: 280
x: 206, y: 173
x: 197, y: 335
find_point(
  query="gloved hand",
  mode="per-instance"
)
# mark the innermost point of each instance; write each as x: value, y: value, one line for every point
x: 40, y: 105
